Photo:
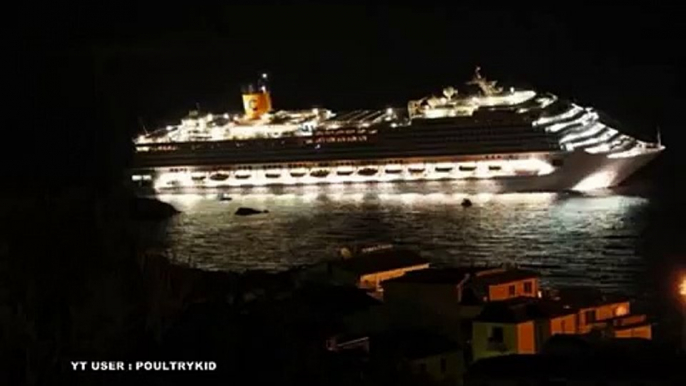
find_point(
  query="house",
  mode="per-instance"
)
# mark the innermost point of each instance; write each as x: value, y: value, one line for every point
x: 523, y: 325
x: 448, y: 298
x: 368, y: 269
x: 503, y: 283
x: 518, y: 326
x: 597, y: 311
x: 420, y: 354
x: 465, y: 285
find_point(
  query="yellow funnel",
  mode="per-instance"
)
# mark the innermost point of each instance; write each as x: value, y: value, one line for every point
x: 256, y: 104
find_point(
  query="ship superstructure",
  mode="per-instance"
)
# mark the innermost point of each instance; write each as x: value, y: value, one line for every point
x: 512, y: 138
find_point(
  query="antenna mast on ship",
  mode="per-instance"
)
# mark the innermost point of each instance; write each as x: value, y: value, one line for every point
x: 659, y: 137
x: 140, y: 122
x: 487, y: 87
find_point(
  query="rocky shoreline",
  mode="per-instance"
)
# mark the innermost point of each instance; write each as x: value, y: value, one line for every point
x: 146, y: 209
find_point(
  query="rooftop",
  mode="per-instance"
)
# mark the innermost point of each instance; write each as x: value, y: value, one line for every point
x: 437, y: 275
x: 522, y: 309
x: 485, y: 275
x: 381, y: 261
x: 506, y: 276
x: 626, y: 321
x: 582, y: 297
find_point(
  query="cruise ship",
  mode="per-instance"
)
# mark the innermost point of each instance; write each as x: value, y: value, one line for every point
x: 485, y: 137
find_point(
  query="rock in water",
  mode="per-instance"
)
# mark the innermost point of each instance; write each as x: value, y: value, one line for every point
x: 243, y: 211
x: 151, y: 209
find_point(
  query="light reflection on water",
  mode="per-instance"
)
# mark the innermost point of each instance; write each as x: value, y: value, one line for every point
x: 571, y: 239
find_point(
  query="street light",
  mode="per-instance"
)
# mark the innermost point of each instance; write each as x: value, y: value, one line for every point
x: 682, y: 292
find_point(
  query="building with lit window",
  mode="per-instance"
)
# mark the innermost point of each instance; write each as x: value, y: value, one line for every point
x: 449, y: 298
x: 519, y: 326
x: 523, y: 325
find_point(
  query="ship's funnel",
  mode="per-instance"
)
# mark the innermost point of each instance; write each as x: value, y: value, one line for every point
x: 256, y: 100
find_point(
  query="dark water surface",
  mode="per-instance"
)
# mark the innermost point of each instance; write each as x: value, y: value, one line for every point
x: 608, y: 239
x: 617, y: 240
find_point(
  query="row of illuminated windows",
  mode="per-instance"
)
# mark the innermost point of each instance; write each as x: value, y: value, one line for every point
x: 347, y: 131
x: 476, y: 132
x: 522, y: 133
x: 417, y: 144
x: 527, y: 286
x: 341, y: 139
x: 348, y: 153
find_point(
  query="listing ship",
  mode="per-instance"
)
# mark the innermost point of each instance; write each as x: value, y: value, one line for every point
x: 486, y: 138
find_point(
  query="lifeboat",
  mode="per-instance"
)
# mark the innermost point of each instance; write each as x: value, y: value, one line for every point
x: 344, y: 171
x: 395, y: 169
x: 198, y: 177
x: 298, y: 173
x: 242, y: 175
x: 467, y: 168
x: 321, y: 173
x: 494, y: 168
x: 444, y: 168
x: 273, y: 174
x: 416, y: 169
x: 219, y: 177
x: 367, y: 172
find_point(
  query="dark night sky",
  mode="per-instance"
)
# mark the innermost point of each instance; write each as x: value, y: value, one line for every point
x: 94, y: 70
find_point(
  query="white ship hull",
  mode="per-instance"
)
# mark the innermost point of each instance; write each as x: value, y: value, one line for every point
x: 581, y: 172
x: 575, y: 171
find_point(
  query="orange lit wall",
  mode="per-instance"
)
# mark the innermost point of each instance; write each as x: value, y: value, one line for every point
x: 644, y: 332
x: 372, y: 281
x: 563, y: 325
x: 602, y: 312
x: 502, y: 291
x: 526, y: 343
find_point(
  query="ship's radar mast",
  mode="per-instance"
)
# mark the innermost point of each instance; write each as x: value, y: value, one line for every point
x: 487, y: 87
